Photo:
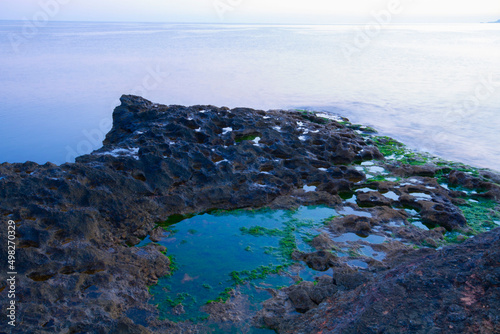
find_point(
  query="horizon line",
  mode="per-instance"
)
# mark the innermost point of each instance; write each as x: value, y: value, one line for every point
x: 244, y: 23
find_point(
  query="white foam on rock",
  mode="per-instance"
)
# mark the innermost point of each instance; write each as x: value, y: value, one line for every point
x: 330, y: 116
x: 121, y: 152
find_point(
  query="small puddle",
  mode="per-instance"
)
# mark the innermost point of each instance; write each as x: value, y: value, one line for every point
x: 370, y: 252
x: 373, y: 239
x: 412, y: 212
x: 309, y: 188
x: 365, y: 190
x: 347, y: 210
x: 376, y: 170
x: 421, y: 196
x: 419, y: 224
x: 391, y: 195
x: 358, y: 263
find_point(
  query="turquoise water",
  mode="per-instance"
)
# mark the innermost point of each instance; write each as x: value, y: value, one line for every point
x: 209, y: 249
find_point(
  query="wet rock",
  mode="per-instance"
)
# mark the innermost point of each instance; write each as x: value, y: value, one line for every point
x: 348, y: 278
x: 439, y: 214
x: 322, y: 290
x: 466, y: 180
x: 323, y: 242
x: 156, y: 234
x: 275, y: 310
x: 296, y: 298
x: 491, y: 176
x: 386, y: 214
x: 370, y: 153
x: 489, y: 190
x: 351, y: 223
x: 426, y: 291
x: 126, y: 326
x: 372, y: 198
x: 178, y: 309
x: 300, y: 297
x: 319, y: 261
x: 404, y: 170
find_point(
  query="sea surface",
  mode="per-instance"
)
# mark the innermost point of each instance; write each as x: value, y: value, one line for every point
x: 434, y: 87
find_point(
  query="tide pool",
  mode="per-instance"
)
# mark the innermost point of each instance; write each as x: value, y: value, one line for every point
x: 216, y: 252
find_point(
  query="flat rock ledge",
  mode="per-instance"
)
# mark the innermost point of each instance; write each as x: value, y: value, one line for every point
x: 77, y: 223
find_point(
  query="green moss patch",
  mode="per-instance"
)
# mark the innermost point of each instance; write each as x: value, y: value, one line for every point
x: 481, y: 215
x: 252, y: 137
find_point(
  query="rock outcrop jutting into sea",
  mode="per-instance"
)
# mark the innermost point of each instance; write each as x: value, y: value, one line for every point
x: 77, y: 224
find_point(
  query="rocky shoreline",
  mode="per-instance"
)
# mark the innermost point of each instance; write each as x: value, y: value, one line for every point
x: 77, y: 223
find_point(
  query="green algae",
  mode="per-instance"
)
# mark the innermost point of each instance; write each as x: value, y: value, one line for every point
x: 179, y: 299
x: 383, y: 178
x: 260, y: 231
x: 229, y: 250
x: 173, y: 264
x: 454, y: 237
x: 248, y: 137
x: 396, y: 151
x: 311, y: 116
x: 175, y: 218
x: 261, y: 272
x: 388, y: 146
x: 480, y: 215
x: 362, y: 128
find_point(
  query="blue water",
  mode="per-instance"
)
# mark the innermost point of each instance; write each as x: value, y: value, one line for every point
x: 206, y: 248
x: 426, y: 85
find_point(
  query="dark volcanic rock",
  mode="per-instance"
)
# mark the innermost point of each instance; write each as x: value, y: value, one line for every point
x: 347, y: 278
x: 76, y: 222
x: 319, y: 261
x: 372, y: 198
x: 299, y: 296
x: 77, y: 225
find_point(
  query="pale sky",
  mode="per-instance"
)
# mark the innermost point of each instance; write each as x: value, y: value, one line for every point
x: 252, y: 11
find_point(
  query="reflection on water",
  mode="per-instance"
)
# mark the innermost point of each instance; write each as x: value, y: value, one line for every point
x: 59, y: 89
x: 374, y: 239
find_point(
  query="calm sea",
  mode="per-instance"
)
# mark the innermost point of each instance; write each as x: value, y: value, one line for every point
x: 434, y: 87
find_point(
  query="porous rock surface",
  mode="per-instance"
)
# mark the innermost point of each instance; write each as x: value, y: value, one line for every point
x: 77, y: 223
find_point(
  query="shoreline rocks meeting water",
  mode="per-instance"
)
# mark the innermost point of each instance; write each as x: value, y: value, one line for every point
x: 78, y: 225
